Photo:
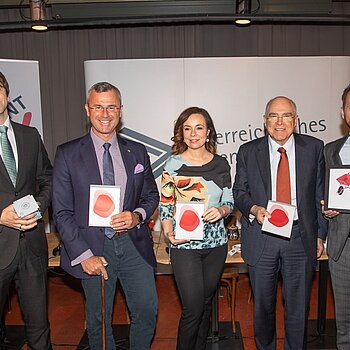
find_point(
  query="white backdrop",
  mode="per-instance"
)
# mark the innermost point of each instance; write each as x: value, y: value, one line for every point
x: 233, y: 90
x: 25, y: 102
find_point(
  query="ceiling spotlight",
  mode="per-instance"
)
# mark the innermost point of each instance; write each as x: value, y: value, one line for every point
x: 243, y: 8
x: 38, y: 14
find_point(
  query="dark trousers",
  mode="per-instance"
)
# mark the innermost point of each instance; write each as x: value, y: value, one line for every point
x: 137, y: 280
x: 29, y: 273
x: 289, y: 258
x: 340, y: 274
x: 197, y: 273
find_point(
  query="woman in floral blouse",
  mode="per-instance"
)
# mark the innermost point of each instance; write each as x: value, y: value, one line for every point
x: 195, y: 173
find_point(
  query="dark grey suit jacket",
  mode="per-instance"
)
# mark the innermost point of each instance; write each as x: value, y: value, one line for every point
x: 33, y: 177
x: 253, y: 186
x: 339, y: 226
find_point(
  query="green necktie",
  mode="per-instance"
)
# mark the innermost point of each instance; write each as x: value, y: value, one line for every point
x: 7, y: 154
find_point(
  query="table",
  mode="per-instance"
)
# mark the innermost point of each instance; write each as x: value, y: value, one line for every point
x: 53, y: 240
x: 160, y: 250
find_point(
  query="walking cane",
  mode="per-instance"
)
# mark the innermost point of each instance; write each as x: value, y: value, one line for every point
x: 103, y: 313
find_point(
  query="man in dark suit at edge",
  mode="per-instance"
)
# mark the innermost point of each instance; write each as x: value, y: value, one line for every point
x: 268, y: 255
x: 126, y: 246
x: 24, y: 169
x: 337, y: 153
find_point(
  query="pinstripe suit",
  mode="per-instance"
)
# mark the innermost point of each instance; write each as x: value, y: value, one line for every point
x: 338, y: 248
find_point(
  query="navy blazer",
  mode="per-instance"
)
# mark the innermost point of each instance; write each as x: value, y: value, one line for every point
x: 253, y: 186
x: 33, y: 177
x: 75, y: 169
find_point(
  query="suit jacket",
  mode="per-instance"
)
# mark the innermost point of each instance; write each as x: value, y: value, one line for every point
x: 75, y: 169
x: 253, y: 186
x: 33, y: 177
x: 339, y: 226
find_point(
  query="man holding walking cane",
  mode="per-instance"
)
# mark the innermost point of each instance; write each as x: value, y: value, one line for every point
x: 124, y: 250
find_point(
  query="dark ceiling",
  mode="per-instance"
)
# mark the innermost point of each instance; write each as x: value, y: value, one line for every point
x: 15, y: 14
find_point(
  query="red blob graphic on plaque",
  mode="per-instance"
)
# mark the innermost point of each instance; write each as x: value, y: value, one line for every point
x: 189, y: 219
x: 344, y: 182
x: 103, y: 204
x: 279, y: 217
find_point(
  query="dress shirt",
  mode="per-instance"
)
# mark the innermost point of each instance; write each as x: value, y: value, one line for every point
x: 12, y: 139
x: 345, y: 152
x: 118, y: 164
x: 289, y: 146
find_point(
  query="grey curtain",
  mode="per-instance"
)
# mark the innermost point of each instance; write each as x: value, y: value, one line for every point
x: 61, y: 54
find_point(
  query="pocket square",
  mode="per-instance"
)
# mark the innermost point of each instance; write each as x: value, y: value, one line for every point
x: 138, y: 168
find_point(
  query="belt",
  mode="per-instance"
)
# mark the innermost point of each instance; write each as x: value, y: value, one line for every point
x: 120, y: 233
x: 295, y: 222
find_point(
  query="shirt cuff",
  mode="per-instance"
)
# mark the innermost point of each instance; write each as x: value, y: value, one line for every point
x: 87, y: 254
x: 142, y: 212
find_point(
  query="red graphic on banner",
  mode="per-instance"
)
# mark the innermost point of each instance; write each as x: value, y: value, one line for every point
x: 27, y: 118
x: 104, y: 204
x: 189, y: 219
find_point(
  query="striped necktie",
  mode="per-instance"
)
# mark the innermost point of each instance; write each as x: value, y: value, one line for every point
x: 7, y: 154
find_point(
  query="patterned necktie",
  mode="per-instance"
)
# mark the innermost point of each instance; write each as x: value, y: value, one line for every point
x: 7, y: 154
x: 283, y: 178
x: 108, y: 178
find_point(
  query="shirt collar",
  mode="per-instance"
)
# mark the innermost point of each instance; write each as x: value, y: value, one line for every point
x: 7, y: 123
x: 98, y: 142
x: 274, y: 146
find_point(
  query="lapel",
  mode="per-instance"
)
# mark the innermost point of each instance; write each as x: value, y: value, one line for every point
x: 263, y: 160
x: 336, y: 150
x: 129, y: 164
x: 301, y: 163
x: 89, y: 160
x: 22, y: 150
x: 4, y: 174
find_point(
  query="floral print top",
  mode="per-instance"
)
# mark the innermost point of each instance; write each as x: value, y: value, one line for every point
x: 209, y: 183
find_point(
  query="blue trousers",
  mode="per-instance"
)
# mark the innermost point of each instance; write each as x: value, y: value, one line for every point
x: 138, y: 283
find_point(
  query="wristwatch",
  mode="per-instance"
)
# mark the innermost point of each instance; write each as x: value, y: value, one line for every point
x: 139, y: 217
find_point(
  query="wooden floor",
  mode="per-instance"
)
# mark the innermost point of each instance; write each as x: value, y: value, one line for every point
x: 66, y: 311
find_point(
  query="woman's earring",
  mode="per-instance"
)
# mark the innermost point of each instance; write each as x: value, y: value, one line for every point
x: 207, y: 140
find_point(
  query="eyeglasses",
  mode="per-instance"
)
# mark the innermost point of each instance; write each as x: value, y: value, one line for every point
x: 275, y: 117
x: 109, y: 109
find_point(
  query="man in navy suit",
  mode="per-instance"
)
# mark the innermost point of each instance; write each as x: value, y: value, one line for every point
x: 268, y: 255
x: 23, y: 245
x: 124, y: 251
